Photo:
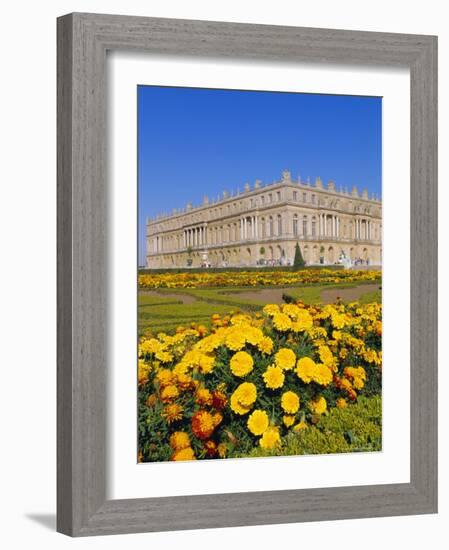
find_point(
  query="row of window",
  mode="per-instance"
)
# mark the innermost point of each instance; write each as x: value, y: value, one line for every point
x: 218, y: 212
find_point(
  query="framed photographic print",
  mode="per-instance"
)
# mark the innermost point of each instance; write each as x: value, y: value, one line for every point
x: 246, y: 274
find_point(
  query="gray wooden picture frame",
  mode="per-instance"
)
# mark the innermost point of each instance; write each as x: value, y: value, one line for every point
x: 83, y: 40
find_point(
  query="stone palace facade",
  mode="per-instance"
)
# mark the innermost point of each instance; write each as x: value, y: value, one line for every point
x: 261, y: 226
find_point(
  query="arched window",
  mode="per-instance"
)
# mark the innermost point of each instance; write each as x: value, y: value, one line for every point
x: 313, y: 226
x: 279, y: 224
x: 295, y: 224
x: 271, y: 226
x: 304, y: 226
x: 264, y: 229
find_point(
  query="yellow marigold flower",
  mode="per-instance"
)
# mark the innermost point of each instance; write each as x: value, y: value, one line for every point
x: 184, y: 454
x: 169, y: 393
x: 273, y: 377
x: 290, y: 402
x: 164, y: 377
x: 203, y: 396
x: 305, y: 369
x: 179, y: 440
x: 246, y: 393
x: 222, y: 450
x: 206, y: 363
x: 149, y: 346
x: 265, y: 345
x: 282, y: 322
x: 288, y: 420
x: 291, y: 310
x: 271, y: 309
x: 172, y: 412
x: 240, y: 319
x: 270, y: 438
x: 253, y: 335
x: 241, y: 363
x: 327, y: 357
x: 235, y: 339
x: 258, y: 422
x: 309, y: 371
x: 322, y: 375
x: 338, y: 321
x: 164, y: 356
x: 143, y: 371
x: 303, y: 321
x: 285, y: 358
x: 341, y: 403
x: 319, y: 405
x: 300, y: 426
x: 357, y: 375
x: 209, y: 343
x: 237, y: 407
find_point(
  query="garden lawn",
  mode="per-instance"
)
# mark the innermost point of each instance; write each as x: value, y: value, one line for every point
x: 161, y: 310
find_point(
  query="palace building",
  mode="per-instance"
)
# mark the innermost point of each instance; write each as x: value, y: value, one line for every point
x: 261, y: 226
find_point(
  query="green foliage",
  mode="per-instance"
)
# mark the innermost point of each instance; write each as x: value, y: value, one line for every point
x: 262, y: 250
x: 298, y: 261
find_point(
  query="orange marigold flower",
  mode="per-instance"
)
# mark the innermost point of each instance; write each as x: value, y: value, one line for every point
x: 203, y: 397
x: 211, y: 448
x: 172, y: 412
x: 179, y: 440
x: 169, y: 393
x: 203, y: 424
x: 222, y: 450
x: 184, y: 454
x: 219, y: 400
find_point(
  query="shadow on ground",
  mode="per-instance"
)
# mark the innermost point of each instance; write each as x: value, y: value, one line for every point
x: 46, y: 520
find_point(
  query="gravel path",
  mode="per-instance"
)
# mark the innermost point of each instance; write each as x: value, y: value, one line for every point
x: 330, y: 295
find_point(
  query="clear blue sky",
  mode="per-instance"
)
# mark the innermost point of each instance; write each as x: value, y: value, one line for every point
x: 195, y: 142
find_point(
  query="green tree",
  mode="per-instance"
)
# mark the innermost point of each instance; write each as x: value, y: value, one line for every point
x: 298, y: 261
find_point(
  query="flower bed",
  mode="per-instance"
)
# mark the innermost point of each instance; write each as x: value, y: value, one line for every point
x: 254, y: 382
x: 254, y: 278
